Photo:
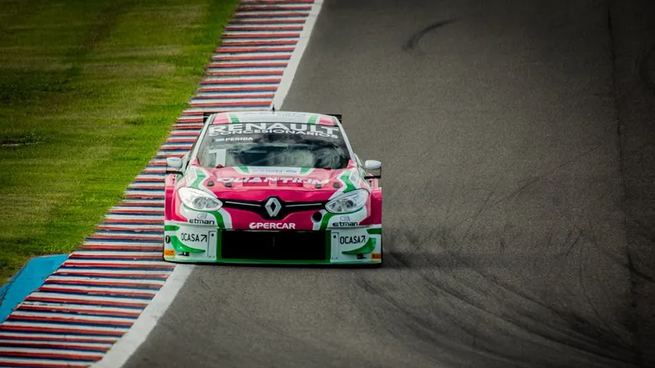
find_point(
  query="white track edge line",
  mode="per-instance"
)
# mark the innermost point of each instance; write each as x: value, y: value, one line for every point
x: 127, y: 345
x: 296, y: 56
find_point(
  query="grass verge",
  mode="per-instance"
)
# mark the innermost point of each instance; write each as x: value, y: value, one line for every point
x: 88, y: 92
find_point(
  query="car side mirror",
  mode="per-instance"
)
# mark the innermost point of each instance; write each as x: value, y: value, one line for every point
x: 173, y: 165
x: 373, y: 165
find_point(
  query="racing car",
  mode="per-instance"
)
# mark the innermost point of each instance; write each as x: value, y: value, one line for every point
x: 273, y: 187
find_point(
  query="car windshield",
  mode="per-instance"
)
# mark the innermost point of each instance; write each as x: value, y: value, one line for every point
x: 273, y: 144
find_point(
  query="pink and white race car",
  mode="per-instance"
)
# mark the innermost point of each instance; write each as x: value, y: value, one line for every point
x: 273, y: 187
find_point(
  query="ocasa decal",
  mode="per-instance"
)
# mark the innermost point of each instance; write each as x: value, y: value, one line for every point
x: 352, y: 239
x: 272, y: 226
x: 193, y: 238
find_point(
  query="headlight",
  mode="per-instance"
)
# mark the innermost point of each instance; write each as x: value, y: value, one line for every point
x: 349, y: 202
x: 199, y: 200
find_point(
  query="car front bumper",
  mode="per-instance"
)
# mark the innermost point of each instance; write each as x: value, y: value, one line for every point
x: 185, y: 243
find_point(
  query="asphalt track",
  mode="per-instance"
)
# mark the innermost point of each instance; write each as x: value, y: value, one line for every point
x: 517, y: 220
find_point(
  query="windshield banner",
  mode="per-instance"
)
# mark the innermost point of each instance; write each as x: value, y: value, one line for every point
x: 274, y: 128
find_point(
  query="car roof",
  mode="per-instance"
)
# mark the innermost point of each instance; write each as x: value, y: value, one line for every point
x: 275, y: 117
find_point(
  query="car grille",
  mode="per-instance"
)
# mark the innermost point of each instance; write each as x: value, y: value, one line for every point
x: 273, y: 211
x: 274, y: 245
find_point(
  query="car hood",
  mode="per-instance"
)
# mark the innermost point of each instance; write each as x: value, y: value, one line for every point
x: 259, y: 183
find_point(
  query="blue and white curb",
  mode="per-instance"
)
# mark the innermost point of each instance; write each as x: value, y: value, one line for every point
x: 105, y: 298
x: 27, y: 280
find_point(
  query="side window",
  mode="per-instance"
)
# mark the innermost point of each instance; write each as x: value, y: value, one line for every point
x: 186, y: 159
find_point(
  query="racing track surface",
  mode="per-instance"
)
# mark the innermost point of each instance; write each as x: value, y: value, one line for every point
x: 505, y: 198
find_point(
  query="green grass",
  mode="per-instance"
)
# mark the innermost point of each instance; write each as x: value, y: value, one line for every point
x: 88, y: 92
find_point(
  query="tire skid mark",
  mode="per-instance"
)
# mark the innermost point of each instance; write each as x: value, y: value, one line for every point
x: 423, y: 328
x: 585, y: 294
x: 587, y: 342
x: 647, y: 68
x: 413, y: 42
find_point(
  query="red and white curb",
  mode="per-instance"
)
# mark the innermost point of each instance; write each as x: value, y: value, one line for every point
x: 103, y: 301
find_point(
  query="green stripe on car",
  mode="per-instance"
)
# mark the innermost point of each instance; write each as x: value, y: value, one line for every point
x: 200, y: 177
x: 179, y: 247
x: 326, y: 220
x: 346, y: 180
x: 171, y: 228
x: 219, y: 219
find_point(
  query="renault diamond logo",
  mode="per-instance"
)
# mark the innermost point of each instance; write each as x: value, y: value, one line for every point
x: 273, y: 206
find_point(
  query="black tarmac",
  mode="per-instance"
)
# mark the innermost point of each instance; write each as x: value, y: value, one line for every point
x: 517, y: 140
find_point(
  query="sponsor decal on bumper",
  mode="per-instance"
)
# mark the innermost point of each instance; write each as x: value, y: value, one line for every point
x: 193, y: 243
x: 198, y: 244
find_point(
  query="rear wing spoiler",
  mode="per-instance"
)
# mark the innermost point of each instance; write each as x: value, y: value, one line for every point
x: 206, y: 115
x: 338, y: 116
